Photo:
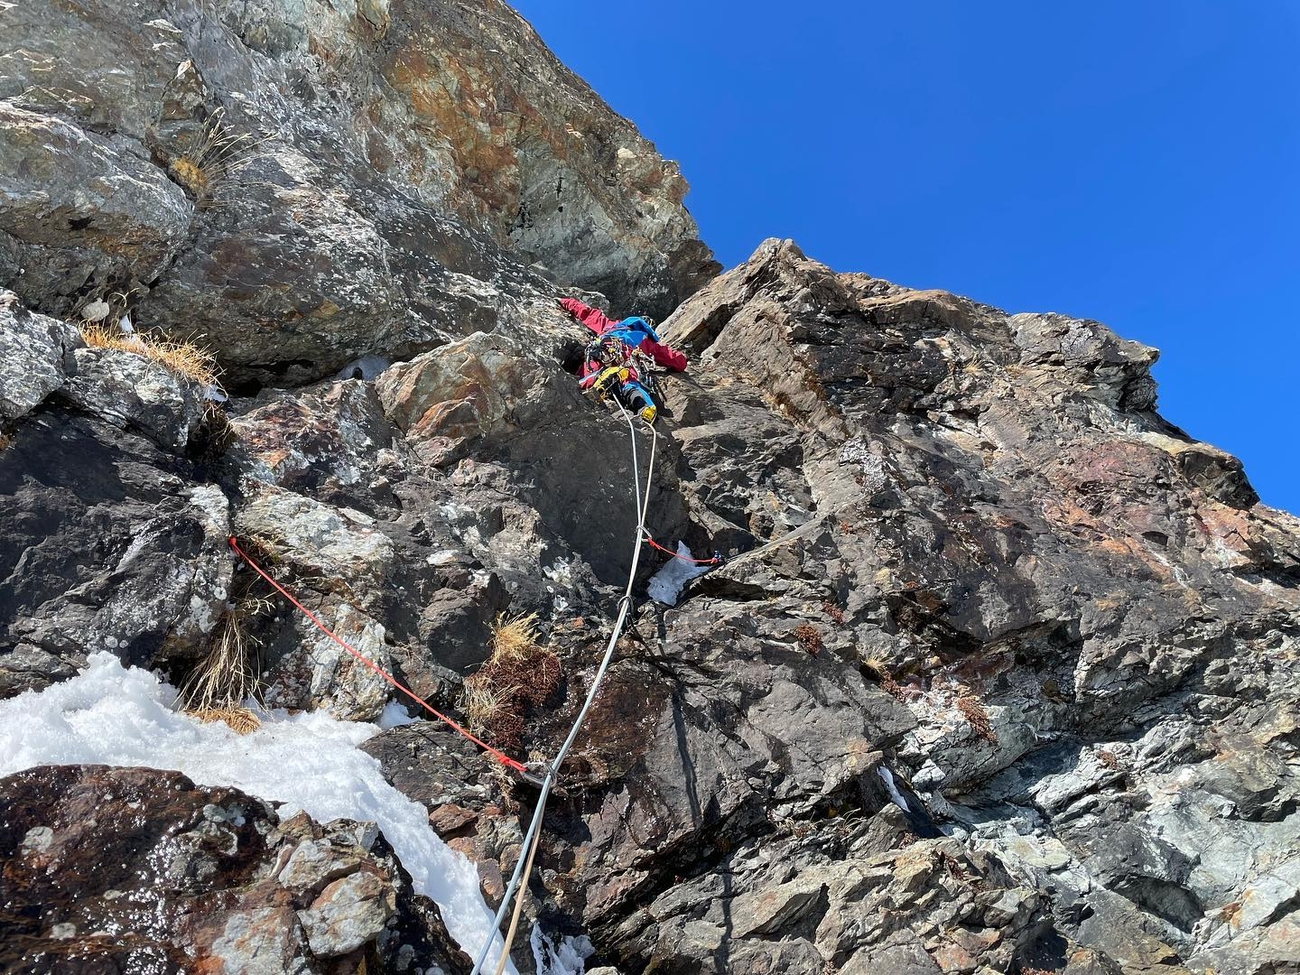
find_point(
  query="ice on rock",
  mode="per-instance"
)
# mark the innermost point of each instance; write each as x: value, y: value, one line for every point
x: 563, y: 956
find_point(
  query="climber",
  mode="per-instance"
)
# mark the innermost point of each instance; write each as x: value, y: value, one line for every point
x: 608, y: 367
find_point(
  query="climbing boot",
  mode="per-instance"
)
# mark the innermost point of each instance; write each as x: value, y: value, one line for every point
x: 647, y: 413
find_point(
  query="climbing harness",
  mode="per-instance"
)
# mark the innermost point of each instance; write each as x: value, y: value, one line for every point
x: 500, y: 756
x: 533, y: 837
x: 609, y: 381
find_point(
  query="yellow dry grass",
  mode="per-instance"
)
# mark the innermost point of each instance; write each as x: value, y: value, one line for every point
x: 240, y: 720
x: 227, y: 676
x: 485, y: 704
x: 513, y: 639
x: 218, y: 154
x: 182, y: 358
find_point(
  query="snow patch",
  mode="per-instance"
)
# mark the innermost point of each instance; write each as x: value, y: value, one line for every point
x: 110, y: 715
x: 394, y: 715
x: 665, y: 586
x: 567, y: 956
x: 366, y: 368
x: 899, y: 799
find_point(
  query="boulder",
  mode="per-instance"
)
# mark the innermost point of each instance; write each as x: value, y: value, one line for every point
x: 180, y: 872
x: 36, y: 355
x: 112, y: 544
x: 78, y: 207
x: 131, y: 391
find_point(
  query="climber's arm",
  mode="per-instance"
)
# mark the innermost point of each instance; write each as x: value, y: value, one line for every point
x: 593, y: 318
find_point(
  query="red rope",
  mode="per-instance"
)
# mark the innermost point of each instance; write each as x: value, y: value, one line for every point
x: 653, y: 544
x: 501, y: 757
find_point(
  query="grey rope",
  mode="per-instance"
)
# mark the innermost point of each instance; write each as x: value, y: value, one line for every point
x: 533, y: 837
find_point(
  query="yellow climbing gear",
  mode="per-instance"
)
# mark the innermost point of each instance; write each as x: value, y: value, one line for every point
x: 609, y: 380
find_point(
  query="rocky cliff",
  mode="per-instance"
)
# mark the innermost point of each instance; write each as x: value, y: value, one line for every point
x: 1000, y: 674
x: 300, y: 184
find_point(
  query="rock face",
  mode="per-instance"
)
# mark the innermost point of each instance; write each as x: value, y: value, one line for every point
x: 297, y: 185
x: 977, y: 587
x: 134, y: 870
x: 999, y: 675
x: 34, y: 354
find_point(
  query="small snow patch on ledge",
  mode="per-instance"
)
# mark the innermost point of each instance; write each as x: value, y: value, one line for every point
x: 665, y: 586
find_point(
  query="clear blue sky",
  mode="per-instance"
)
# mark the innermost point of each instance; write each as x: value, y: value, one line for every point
x: 1135, y: 163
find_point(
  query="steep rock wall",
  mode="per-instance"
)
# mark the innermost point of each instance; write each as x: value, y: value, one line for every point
x: 299, y: 184
x: 1000, y: 673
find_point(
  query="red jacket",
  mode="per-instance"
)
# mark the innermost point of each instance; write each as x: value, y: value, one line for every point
x: 596, y: 320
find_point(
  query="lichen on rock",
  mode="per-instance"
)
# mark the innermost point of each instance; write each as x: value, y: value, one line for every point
x: 999, y: 672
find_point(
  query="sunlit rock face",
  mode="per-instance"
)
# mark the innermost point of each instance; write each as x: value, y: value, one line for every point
x: 302, y: 184
x: 999, y: 673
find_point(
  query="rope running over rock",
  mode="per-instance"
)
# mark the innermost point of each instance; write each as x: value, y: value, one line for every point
x: 500, y: 756
x: 533, y: 836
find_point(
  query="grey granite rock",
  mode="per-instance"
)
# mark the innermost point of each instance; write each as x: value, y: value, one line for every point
x: 131, y: 391
x: 299, y: 185
x: 36, y: 355
x: 999, y: 673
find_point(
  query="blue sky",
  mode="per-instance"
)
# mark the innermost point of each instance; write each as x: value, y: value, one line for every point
x: 1135, y: 163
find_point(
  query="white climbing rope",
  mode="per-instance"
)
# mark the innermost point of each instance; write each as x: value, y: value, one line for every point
x: 532, y: 838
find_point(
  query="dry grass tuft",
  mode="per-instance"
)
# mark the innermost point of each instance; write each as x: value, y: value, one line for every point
x: 810, y: 639
x: 519, y: 675
x: 5, y: 441
x: 973, y: 710
x: 241, y: 720
x: 214, y: 435
x: 878, y: 670
x: 227, y: 676
x: 513, y: 639
x: 182, y: 358
x: 835, y: 613
x: 217, y: 155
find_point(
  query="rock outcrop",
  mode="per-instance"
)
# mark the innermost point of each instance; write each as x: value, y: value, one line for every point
x: 966, y: 555
x: 131, y: 870
x: 999, y: 675
x: 297, y: 185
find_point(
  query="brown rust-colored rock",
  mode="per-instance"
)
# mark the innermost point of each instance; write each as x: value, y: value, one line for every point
x: 137, y: 869
x: 188, y: 162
